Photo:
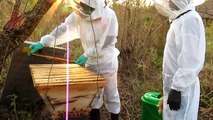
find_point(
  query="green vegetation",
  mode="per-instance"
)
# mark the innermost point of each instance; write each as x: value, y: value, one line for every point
x: 14, y: 113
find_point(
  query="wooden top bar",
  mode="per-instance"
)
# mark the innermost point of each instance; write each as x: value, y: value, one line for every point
x: 56, y: 74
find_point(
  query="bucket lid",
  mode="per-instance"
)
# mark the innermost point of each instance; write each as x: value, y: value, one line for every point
x: 151, y: 98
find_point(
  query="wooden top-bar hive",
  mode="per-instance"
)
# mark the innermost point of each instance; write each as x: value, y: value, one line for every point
x: 50, y: 81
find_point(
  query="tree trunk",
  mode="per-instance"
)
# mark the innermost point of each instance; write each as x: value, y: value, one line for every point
x: 20, y: 27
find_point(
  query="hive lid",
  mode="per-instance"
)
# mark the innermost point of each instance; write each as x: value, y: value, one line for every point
x: 151, y: 98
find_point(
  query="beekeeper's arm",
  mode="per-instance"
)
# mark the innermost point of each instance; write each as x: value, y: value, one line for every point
x: 191, y: 58
x: 67, y: 31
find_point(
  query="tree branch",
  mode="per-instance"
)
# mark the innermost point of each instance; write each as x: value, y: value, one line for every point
x: 20, y: 27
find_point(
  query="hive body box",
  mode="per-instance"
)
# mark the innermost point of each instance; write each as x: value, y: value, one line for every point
x: 50, y: 81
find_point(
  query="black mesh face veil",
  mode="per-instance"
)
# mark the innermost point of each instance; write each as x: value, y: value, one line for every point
x: 84, y: 9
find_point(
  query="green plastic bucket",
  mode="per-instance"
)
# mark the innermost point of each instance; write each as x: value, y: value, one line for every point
x: 149, y: 106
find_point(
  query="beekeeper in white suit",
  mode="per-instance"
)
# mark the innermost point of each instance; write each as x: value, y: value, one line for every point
x: 97, y: 27
x: 184, y: 55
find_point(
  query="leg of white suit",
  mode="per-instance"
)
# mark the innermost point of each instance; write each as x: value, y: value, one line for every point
x: 112, y: 100
x: 189, y: 105
x: 110, y: 91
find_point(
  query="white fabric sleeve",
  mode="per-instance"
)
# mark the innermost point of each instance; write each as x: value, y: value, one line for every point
x: 63, y: 33
x: 108, y: 37
x: 191, y: 58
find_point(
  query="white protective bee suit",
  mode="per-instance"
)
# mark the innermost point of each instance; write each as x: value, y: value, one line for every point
x: 103, y: 28
x: 184, y: 55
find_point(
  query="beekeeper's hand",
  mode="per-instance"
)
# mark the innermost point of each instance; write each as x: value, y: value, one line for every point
x: 160, y: 105
x: 81, y: 60
x: 35, y: 48
x: 174, y: 99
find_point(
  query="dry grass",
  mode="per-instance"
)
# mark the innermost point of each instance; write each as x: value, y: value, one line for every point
x: 141, y: 40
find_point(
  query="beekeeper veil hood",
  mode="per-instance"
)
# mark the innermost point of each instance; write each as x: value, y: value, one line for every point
x: 172, y: 8
x: 87, y: 8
